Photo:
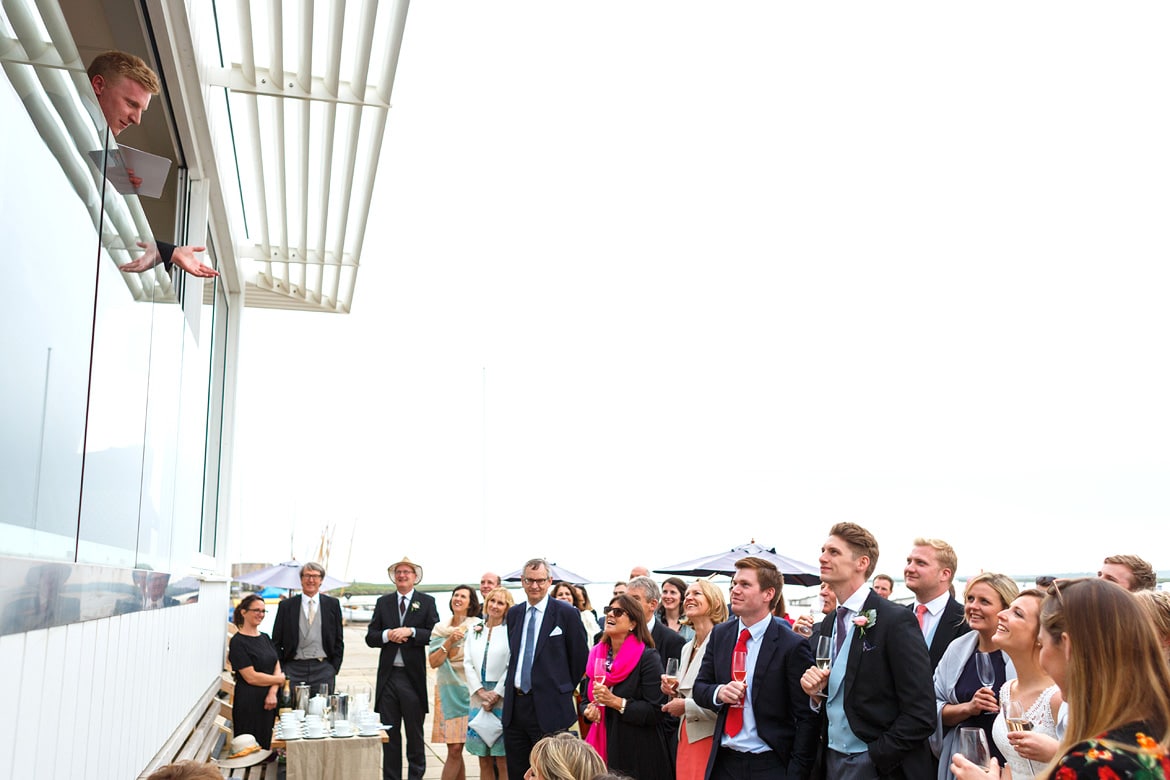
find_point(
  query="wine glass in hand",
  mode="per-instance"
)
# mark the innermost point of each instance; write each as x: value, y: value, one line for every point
x: 985, y: 670
x: 671, y: 675
x: 973, y: 746
x: 739, y: 671
x: 1016, y: 718
x: 598, y: 673
x: 824, y: 654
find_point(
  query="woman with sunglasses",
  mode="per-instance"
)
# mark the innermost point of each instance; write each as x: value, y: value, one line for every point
x: 256, y: 667
x: 626, y: 707
x: 1098, y: 646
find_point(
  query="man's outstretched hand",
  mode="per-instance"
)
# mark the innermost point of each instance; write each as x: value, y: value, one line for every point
x: 184, y: 257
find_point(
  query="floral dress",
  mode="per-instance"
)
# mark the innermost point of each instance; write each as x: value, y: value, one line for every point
x: 1127, y: 753
x: 451, y: 697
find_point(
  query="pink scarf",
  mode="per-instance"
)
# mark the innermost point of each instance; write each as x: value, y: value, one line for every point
x: 624, y: 662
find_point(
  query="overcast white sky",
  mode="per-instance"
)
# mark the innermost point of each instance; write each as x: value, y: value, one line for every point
x: 646, y: 280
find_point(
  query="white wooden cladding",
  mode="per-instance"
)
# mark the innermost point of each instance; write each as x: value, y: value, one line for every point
x: 97, y: 699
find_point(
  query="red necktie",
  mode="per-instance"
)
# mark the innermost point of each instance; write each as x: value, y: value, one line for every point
x: 735, y: 714
x: 920, y: 610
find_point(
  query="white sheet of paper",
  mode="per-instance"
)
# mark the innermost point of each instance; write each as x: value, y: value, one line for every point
x: 151, y: 168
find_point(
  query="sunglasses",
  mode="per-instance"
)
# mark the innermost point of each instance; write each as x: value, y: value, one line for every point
x: 617, y: 612
x: 1054, y: 590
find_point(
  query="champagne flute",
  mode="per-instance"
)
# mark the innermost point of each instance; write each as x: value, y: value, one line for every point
x: 671, y: 676
x: 823, y: 656
x: 598, y: 673
x: 739, y: 671
x: 973, y: 747
x: 1017, y: 720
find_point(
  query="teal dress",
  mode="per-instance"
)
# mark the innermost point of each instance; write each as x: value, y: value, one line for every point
x: 451, y: 698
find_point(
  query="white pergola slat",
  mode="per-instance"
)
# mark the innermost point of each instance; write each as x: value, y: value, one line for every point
x: 308, y: 140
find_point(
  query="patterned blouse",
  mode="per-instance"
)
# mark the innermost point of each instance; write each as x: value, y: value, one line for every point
x: 1127, y: 753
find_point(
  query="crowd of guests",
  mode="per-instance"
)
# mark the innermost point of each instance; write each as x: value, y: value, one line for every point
x: 1064, y: 679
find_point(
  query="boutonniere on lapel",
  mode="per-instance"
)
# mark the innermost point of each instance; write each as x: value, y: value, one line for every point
x: 478, y: 628
x: 865, y: 620
x: 414, y: 606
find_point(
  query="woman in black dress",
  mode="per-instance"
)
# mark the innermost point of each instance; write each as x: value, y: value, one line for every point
x: 626, y: 709
x: 257, y: 671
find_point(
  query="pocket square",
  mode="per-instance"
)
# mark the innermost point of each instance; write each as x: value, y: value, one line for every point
x: 556, y: 631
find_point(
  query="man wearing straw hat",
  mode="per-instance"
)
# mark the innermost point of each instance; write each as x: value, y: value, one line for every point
x: 401, y: 627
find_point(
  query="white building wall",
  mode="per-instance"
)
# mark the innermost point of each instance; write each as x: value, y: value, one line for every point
x: 97, y: 699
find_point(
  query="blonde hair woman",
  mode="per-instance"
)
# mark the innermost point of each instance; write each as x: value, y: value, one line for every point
x: 485, y: 664
x: 564, y: 757
x: 961, y: 698
x: 703, y: 606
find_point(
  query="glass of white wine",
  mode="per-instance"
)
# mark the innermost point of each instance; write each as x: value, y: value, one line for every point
x: 1016, y: 718
x: 671, y: 675
x: 823, y: 657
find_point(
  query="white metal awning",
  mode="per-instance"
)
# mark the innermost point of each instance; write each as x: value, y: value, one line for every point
x: 309, y: 86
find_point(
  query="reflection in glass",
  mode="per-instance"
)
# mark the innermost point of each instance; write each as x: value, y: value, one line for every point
x: 41, y: 594
x: 48, y: 311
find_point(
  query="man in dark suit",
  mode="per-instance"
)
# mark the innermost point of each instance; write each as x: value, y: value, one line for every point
x: 308, y: 633
x: 879, y: 711
x: 773, y: 734
x: 930, y: 570
x: 401, y: 627
x: 547, y: 642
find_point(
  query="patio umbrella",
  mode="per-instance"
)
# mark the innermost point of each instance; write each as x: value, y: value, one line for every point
x: 556, y: 572
x: 794, y: 571
x: 286, y: 575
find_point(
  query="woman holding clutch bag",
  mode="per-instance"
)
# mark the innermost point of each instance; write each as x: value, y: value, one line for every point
x: 485, y: 664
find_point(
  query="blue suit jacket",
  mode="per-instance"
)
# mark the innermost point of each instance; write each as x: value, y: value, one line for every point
x: 783, y: 717
x: 558, y: 663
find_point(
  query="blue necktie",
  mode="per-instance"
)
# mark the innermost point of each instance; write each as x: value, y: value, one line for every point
x: 529, y: 649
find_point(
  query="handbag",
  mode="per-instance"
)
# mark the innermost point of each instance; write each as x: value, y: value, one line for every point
x: 485, y: 724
